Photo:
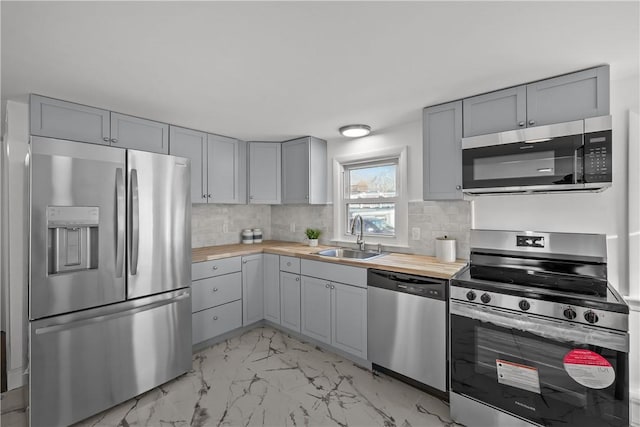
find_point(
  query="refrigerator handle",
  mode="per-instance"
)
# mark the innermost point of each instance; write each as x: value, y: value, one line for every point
x: 120, y: 219
x: 135, y: 222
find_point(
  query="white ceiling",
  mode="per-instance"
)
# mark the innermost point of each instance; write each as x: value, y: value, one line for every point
x: 275, y: 71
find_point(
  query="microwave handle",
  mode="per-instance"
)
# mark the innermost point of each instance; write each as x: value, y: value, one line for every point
x: 546, y: 328
x: 578, y: 165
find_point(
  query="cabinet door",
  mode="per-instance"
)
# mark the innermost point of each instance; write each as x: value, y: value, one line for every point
x: 66, y: 120
x: 252, y: 289
x: 295, y: 171
x: 139, y: 134
x: 265, y: 166
x: 495, y: 112
x: 566, y: 98
x: 192, y: 145
x: 317, y: 171
x: 272, y: 287
x: 290, y: 300
x: 349, y: 319
x: 442, y: 151
x: 316, y: 309
x: 227, y: 170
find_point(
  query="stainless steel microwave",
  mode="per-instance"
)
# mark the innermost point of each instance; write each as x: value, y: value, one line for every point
x: 560, y: 157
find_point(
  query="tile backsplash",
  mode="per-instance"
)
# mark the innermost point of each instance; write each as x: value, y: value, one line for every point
x: 434, y: 219
x: 223, y: 224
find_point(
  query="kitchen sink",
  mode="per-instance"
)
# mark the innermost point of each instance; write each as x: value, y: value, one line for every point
x: 349, y: 253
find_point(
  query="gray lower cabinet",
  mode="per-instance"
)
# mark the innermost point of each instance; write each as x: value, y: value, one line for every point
x: 252, y: 289
x: 55, y: 118
x: 271, y: 268
x: 216, y: 300
x: 290, y: 300
x: 442, y: 151
x: 139, y: 134
x: 332, y: 312
x: 218, y: 165
x: 573, y: 96
x: 304, y: 171
x: 265, y: 173
x: 67, y: 120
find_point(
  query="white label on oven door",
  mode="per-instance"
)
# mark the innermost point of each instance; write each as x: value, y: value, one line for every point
x: 517, y: 375
x: 589, y: 369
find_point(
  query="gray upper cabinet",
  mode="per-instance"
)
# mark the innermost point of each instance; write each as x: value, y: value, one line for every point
x: 495, y: 112
x: 442, y: 151
x: 571, y: 97
x: 65, y: 120
x: 560, y: 99
x: 139, y: 134
x: 218, y: 165
x: 192, y: 144
x: 227, y: 171
x: 304, y: 171
x: 265, y: 170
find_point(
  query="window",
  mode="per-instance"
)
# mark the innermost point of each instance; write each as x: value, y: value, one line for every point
x: 370, y: 190
x: 374, y: 186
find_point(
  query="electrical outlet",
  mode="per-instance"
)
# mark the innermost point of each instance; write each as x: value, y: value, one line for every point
x: 415, y: 233
x: 225, y: 227
x: 292, y: 227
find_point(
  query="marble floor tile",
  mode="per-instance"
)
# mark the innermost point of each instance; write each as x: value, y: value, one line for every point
x: 267, y: 378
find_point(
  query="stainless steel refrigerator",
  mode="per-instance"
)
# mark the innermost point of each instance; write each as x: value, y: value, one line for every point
x: 110, y: 271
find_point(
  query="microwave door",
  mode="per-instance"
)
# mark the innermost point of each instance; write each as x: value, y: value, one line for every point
x: 549, y: 162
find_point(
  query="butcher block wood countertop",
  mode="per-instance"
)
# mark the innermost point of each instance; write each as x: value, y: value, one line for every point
x: 402, y: 263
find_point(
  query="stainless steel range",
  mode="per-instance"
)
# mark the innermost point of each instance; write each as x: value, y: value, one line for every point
x: 538, y: 335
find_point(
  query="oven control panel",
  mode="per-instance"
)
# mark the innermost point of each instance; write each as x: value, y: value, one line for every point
x: 530, y: 241
x: 551, y: 309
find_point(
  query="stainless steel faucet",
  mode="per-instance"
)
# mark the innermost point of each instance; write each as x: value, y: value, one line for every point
x: 360, y: 236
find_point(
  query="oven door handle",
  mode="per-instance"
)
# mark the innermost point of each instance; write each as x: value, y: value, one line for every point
x: 546, y: 328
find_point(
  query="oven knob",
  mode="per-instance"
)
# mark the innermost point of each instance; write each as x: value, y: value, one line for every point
x: 485, y: 298
x: 591, y: 317
x: 471, y: 295
x: 569, y: 313
x: 524, y: 305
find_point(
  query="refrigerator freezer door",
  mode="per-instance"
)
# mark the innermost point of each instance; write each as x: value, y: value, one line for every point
x: 77, y: 226
x: 159, y: 229
x: 83, y: 363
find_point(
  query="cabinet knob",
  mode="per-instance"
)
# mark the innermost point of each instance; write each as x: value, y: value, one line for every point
x: 114, y: 140
x: 333, y: 287
x: 521, y: 124
x: 458, y: 187
x: 208, y: 196
x: 306, y: 197
x: 326, y: 286
x: 215, y: 317
x: 250, y: 197
x: 105, y: 139
x: 244, y: 261
x: 204, y: 196
x: 532, y: 122
x: 215, y: 267
x: 215, y: 289
x: 297, y: 279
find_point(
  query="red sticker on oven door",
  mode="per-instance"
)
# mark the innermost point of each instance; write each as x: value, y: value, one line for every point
x: 589, y: 369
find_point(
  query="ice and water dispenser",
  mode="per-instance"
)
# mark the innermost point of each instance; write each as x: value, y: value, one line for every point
x: 72, y: 238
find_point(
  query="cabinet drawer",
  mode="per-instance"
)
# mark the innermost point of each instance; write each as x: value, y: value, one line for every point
x: 216, y: 321
x: 215, y: 291
x: 355, y: 276
x: 217, y: 267
x: 290, y: 264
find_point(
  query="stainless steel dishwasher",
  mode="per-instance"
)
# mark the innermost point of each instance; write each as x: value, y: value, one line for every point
x: 407, y: 326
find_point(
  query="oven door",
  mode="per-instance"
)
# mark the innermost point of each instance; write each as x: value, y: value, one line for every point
x: 546, y: 162
x: 551, y: 373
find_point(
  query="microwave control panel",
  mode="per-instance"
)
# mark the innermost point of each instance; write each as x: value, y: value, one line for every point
x: 597, y: 156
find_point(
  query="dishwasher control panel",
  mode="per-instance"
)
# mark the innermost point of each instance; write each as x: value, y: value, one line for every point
x: 428, y: 287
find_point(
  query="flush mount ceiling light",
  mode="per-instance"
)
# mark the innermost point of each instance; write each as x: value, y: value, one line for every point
x: 355, y: 131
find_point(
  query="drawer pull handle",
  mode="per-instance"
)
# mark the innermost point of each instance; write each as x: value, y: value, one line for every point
x: 215, y: 289
x: 215, y: 317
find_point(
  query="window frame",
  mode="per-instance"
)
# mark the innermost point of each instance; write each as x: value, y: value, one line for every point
x: 396, y: 155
